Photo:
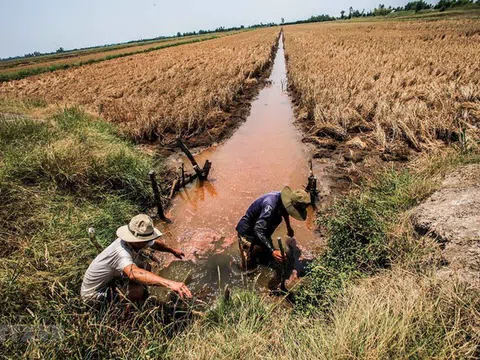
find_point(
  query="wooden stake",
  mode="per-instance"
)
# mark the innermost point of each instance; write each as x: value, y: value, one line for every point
x: 157, y: 198
x: 284, y: 271
x: 201, y: 173
x: 183, y: 174
x: 311, y: 187
x: 174, y: 188
x: 242, y: 254
x: 93, y: 240
x: 226, y: 293
x: 206, y: 169
x: 191, y: 158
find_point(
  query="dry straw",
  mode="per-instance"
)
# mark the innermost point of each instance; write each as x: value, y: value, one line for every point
x: 396, y: 83
x: 179, y: 90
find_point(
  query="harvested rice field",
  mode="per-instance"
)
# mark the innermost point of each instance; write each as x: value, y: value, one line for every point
x: 396, y: 86
x: 182, y: 90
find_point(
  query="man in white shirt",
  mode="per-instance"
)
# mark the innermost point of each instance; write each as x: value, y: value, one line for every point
x: 120, y: 262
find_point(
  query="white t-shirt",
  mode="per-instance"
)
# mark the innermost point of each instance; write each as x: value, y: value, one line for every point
x: 107, y: 266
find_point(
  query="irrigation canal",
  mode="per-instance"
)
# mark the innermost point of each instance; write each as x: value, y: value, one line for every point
x: 263, y: 155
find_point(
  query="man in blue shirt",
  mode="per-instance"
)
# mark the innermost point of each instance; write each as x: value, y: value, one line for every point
x: 256, y: 227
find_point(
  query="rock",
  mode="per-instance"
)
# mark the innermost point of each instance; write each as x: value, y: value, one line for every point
x: 452, y: 216
x: 353, y: 156
x: 356, y: 143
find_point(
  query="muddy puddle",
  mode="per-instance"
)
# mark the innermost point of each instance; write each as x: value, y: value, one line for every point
x: 263, y: 155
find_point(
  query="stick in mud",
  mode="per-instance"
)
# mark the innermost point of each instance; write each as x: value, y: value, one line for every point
x: 157, y: 198
x: 191, y: 158
x: 183, y: 174
x: 202, y: 173
x: 93, y: 240
x: 242, y: 254
x: 311, y: 187
x: 283, y: 271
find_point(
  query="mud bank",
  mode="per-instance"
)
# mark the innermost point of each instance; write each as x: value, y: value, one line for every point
x: 452, y: 217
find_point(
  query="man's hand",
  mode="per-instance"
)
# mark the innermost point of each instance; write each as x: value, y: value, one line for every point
x: 277, y: 255
x: 180, y: 289
x: 290, y: 232
x: 179, y: 254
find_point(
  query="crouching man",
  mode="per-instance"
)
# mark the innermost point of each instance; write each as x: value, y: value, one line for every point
x: 119, y: 267
x: 264, y: 215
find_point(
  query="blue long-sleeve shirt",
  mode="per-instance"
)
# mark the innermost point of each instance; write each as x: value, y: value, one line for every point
x: 262, y: 218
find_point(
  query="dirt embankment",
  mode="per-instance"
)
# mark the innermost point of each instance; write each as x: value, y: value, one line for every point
x: 452, y: 216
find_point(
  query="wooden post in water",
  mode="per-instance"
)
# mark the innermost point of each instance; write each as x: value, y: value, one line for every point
x: 190, y: 157
x: 311, y: 187
x: 183, y: 174
x: 174, y: 188
x: 157, y: 198
x: 202, y: 173
x: 284, y: 271
x: 206, y: 168
x: 93, y: 240
x: 242, y: 254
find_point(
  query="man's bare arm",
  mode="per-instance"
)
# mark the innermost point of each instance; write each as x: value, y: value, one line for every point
x: 290, y: 231
x: 159, y: 245
x: 144, y: 277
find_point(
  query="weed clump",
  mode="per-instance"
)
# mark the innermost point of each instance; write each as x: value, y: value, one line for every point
x: 58, y: 177
x: 359, y: 235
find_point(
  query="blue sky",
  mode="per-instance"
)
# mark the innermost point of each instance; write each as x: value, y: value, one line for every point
x: 46, y: 25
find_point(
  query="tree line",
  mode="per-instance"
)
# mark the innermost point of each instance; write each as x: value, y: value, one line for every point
x: 416, y: 6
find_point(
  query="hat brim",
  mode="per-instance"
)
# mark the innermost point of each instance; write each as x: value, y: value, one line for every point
x: 124, y: 233
x: 299, y: 214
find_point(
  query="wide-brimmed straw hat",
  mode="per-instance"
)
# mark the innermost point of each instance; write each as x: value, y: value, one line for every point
x: 139, y: 229
x: 295, y: 202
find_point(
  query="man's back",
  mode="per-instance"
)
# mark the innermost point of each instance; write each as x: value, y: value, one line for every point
x: 108, y: 265
x: 267, y: 209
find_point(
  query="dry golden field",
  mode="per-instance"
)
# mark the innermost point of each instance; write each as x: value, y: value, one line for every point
x: 179, y: 90
x: 82, y: 56
x: 391, y: 83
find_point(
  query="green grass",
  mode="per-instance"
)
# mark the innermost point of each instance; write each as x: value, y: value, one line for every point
x: 57, y: 178
x: 368, y: 231
x: 394, y: 315
x: 21, y: 74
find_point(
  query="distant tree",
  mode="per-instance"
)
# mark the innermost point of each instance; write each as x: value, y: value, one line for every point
x: 381, y: 10
x: 342, y: 13
x: 179, y: 34
x: 318, y: 18
x: 417, y: 6
x: 283, y: 21
x: 60, y: 50
x: 350, y: 12
x: 445, y: 4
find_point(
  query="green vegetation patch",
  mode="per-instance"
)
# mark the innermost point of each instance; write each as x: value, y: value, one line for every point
x: 57, y: 178
x: 363, y: 231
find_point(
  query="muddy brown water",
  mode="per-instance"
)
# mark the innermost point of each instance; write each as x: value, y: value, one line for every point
x: 263, y: 155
